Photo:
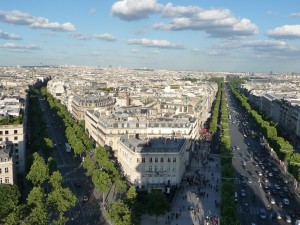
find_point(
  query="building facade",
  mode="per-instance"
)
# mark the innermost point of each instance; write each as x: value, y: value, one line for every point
x: 153, y: 162
x: 15, y: 134
x: 7, y: 163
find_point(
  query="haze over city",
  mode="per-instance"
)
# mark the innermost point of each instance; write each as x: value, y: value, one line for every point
x: 254, y: 36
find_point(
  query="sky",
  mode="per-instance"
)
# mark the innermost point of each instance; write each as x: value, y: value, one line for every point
x: 206, y: 35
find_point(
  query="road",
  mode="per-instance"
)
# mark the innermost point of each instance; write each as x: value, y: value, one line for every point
x: 85, y: 212
x: 258, y: 174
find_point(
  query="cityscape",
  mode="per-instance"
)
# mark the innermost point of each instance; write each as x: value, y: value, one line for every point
x: 149, y: 112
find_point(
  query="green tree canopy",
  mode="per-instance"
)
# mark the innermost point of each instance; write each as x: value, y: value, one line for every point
x: 157, y: 203
x: 9, y: 199
x: 39, y: 171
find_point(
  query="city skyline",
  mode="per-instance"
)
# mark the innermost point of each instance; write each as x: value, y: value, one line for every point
x: 179, y: 35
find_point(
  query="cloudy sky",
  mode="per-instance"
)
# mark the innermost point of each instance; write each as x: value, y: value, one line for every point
x: 206, y: 35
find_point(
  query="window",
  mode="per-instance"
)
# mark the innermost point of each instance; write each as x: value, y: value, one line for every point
x: 1, y: 139
x: 174, y: 159
x: 174, y: 168
x: 16, y: 138
x: 143, y: 160
x: 150, y: 160
x: 1, y: 132
x: 161, y: 159
x: 0, y: 170
x: 6, y: 132
x: 137, y: 160
x: 150, y: 168
x: 161, y: 168
x: 169, y: 159
x: 1, y: 180
x: 15, y: 131
x: 6, y: 169
x: 155, y: 168
x: 16, y: 150
x: 6, y: 180
x: 168, y: 168
x: 156, y: 159
x: 143, y: 169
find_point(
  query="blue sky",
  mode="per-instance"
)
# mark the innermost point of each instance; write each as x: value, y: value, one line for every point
x: 207, y: 35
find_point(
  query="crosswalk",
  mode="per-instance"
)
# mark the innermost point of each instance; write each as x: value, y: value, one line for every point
x: 252, y: 210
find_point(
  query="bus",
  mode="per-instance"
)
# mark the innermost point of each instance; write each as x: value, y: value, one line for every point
x: 68, y: 147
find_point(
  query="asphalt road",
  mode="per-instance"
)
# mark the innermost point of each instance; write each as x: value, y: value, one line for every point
x: 249, y: 161
x: 85, y: 212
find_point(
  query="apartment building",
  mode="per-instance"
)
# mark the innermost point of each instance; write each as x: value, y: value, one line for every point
x: 153, y: 162
x: 81, y: 103
x: 15, y: 134
x: 7, y: 163
x: 106, y: 127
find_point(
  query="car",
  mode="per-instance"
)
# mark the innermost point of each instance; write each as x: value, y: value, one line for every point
x: 272, y: 200
x: 243, y: 193
x: 78, y: 184
x: 246, y: 207
x: 277, y: 186
x: 270, y: 174
x: 259, y: 173
x: 290, y: 195
x: 85, y: 198
x: 253, y: 198
x: 262, y: 214
x: 285, y: 189
x: 279, y: 203
x: 268, y: 192
x: 286, y: 201
x: 287, y: 218
x: 249, y: 181
x: 278, y: 215
x: 274, y: 192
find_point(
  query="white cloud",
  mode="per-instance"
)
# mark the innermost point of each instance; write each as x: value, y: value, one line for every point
x: 272, y: 48
x: 14, y: 46
x: 215, y: 22
x: 154, y: 43
x: 135, y: 9
x: 105, y: 37
x: 285, y: 32
x: 21, y: 18
x: 294, y: 15
x: 7, y: 36
x: 195, y: 50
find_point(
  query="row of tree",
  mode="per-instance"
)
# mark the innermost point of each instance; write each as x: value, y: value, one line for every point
x: 98, y: 164
x: 228, y: 207
x: 283, y: 148
x: 47, y: 201
x: 213, y: 126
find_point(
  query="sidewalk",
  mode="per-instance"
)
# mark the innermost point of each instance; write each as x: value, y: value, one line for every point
x: 196, y: 198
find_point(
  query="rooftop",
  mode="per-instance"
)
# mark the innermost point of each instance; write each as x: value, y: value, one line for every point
x: 153, y: 145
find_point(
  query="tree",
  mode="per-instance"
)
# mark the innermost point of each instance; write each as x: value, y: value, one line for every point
x: 119, y: 213
x: 88, y: 164
x: 102, y: 182
x: 9, y: 199
x: 37, y: 202
x: 16, y: 217
x: 39, y: 171
x: 61, y: 200
x: 131, y: 196
x: 52, y: 165
x: 157, y: 204
x: 56, y: 180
